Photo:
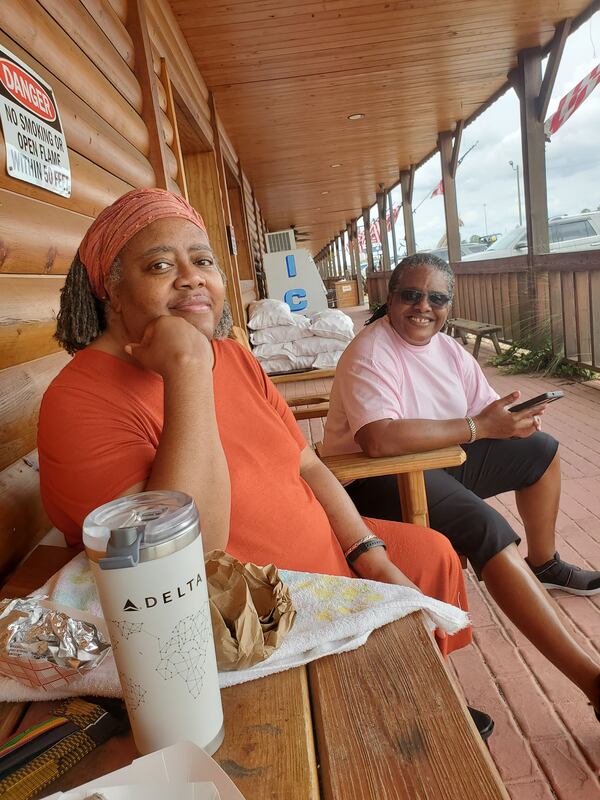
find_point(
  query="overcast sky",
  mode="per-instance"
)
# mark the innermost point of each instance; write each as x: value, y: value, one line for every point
x: 486, y: 184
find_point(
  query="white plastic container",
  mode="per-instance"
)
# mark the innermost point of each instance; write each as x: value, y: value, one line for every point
x: 148, y: 563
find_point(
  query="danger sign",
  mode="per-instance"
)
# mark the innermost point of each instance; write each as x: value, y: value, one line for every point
x: 36, y: 150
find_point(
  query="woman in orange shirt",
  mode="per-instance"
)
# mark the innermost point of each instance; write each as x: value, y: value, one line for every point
x: 153, y: 400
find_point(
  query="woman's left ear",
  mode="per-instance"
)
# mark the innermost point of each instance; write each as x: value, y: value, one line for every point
x: 113, y: 299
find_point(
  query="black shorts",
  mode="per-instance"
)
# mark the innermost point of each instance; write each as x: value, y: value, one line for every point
x: 455, y: 496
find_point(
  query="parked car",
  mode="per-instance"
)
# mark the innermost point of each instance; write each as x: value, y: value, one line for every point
x: 579, y: 232
x: 465, y: 250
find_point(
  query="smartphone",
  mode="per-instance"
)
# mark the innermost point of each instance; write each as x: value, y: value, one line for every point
x: 547, y: 397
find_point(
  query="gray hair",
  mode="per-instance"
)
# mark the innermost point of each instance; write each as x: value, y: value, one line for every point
x: 422, y: 260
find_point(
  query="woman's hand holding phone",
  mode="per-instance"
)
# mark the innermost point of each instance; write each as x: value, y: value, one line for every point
x: 495, y: 421
x: 541, y: 399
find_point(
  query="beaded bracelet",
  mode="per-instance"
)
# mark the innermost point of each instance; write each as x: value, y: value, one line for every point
x: 358, y: 543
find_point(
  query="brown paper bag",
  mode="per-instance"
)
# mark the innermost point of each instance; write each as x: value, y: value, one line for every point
x: 251, y: 610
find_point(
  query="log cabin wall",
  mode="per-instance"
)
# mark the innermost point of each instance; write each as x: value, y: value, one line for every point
x: 122, y: 133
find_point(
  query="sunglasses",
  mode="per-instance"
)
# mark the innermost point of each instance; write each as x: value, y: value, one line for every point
x: 414, y: 296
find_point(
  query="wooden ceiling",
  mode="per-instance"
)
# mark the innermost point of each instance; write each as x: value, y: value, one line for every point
x: 286, y: 74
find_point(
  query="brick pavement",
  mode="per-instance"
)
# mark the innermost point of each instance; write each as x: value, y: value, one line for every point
x: 547, y: 741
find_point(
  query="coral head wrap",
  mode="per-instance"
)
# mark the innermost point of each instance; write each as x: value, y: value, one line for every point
x: 120, y: 222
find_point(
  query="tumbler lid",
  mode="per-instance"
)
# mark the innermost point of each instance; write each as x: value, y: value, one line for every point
x: 157, y: 518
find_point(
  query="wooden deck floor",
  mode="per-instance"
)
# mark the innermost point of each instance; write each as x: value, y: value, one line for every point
x: 547, y: 741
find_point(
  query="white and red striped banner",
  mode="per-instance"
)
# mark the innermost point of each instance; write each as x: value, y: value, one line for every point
x: 572, y: 101
x: 374, y: 230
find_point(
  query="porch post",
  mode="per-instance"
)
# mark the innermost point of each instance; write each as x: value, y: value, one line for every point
x: 393, y: 228
x: 341, y: 264
x: 385, y: 247
x: 335, y: 256
x: 351, y: 253
x: 448, y: 158
x: 355, y: 248
x: 529, y: 80
x: 366, y: 213
x: 342, y: 241
x: 231, y: 265
x: 137, y: 28
x: 407, y: 183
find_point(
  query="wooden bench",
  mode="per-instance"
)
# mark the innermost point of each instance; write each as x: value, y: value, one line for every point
x: 382, y: 722
x: 460, y: 327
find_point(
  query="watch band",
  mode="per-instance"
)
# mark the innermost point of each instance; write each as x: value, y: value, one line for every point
x: 472, y: 428
x: 363, y: 547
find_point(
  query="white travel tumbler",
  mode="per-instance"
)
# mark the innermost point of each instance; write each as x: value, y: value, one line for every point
x: 147, y: 559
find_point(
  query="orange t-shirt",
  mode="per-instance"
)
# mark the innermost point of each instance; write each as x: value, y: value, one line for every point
x: 100, y: 424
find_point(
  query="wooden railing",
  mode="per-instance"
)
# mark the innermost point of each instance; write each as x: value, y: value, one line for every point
x: 557, y: 294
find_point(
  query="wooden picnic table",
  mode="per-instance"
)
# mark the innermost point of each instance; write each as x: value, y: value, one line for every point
x: 385, y: 721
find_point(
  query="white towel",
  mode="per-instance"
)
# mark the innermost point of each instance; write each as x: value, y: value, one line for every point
x: 335, y: 614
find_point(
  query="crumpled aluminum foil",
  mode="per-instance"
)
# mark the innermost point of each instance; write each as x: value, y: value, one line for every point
x: 28, y: 630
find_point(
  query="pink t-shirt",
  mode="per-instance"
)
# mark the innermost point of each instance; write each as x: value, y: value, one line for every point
x: 380, y: 376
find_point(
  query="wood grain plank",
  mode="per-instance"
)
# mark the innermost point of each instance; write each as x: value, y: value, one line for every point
x: 113, y: 28
x: 74, y: 19
x: 268, y: 749
x: 21, y: 390
x: 37, y: 237
x: 93, y: 188
x: 569, y: 315
x: 23, y: 521
x: 595, y: 321
x: 40, y: 565
x: 358, y: 465
x: 151, y: 112
x: 311, y: 375
x: 584, y: 321
x: 36, y: 31
x: 29, y: 307
x: 315, y: 411
x: 390, y: 723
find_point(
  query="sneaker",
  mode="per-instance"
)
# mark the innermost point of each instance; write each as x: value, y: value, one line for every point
x: 557, y: 574
x: 483, y: 722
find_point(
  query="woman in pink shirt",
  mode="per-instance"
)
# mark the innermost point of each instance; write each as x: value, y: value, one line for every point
x: 401, y: 387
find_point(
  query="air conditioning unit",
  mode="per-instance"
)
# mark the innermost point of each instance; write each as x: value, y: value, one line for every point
x: 278, y: 241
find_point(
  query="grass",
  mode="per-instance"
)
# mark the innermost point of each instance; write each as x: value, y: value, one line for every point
x: 533, y: 353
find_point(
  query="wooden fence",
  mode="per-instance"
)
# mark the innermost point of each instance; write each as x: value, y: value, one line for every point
x: 557, y: 296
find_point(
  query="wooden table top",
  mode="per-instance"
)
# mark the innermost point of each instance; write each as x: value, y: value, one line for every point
x: 383, y: 722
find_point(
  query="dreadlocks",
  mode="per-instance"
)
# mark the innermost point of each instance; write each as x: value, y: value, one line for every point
x: 412, y: 262
x: 82, y: 317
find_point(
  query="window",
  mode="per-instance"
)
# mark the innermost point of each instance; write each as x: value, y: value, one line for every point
x: 578, y: 229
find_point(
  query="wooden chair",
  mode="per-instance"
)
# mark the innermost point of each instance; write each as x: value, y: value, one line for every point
x: 311, y: 406
x: 306, y: 375
x: 409, y: 471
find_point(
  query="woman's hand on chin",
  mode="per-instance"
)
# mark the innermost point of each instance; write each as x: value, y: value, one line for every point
x: 497, y: 422
x: 169, y: 345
